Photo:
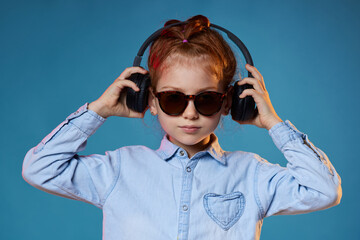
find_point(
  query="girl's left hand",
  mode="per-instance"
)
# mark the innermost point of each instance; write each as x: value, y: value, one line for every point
x: 267, y: 116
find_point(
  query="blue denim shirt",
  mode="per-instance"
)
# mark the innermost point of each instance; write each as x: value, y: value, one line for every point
x: 162, y: 194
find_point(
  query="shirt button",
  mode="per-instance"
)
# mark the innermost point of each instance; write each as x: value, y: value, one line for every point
x: 185, y: 207
x: 188, y: 169
x: 182, y: 153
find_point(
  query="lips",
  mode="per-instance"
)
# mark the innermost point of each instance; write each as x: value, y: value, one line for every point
x: 190, y: 128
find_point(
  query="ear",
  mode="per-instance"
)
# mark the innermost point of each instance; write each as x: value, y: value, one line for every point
x: 228, y: 100
x: 152, y: 101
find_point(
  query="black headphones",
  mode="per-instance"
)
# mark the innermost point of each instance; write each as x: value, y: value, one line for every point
x: 242, y: 109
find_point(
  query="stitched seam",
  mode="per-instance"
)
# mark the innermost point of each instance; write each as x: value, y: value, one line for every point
x: 77, y: 195
x: 318, y: 155
x: 94, y: 114
x: 116, y: 178
x: 311, y: 147
x: 256, y: 194
x: 240, y: 200
x: 79, y: 128
x: 81, y: 161
x: 309, y: 144
x: 206, y: 205
x: 296, y: 134
x: 67, y: 161
x: 61, y: 125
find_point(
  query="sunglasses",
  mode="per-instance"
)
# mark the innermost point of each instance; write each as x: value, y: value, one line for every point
x: 174, y: 103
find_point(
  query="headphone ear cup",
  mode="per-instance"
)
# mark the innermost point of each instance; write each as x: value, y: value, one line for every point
x: 242, y: 109
x: 138, y: 101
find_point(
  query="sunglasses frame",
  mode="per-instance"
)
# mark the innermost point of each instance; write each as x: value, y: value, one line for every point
x: 190, y: 97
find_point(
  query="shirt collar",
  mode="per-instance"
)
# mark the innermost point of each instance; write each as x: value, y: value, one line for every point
x: 167, y: 149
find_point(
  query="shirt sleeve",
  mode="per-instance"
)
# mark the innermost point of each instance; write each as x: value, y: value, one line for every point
x: 55, y: 167
x: 309, y: 182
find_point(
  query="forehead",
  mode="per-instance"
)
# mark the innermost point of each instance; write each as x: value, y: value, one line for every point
x: 187, y: 78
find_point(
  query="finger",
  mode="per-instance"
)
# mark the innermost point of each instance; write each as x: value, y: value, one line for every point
x: 251, y: 92
x: 254, y: 82
x: 122, y: 83
x: 255, y: 73
x: 130, y: 70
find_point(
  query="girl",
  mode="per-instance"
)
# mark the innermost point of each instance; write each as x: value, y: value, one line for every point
x: 189, y: 188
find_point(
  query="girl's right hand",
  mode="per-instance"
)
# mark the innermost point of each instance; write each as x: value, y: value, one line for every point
x: 113, y: 101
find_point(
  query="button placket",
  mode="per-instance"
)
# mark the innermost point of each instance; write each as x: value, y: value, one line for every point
x: 187, y: 177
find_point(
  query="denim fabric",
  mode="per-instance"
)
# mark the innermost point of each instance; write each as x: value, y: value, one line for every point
x: 162, y: 194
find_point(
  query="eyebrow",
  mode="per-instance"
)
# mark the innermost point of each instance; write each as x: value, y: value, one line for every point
x: 182, y: 90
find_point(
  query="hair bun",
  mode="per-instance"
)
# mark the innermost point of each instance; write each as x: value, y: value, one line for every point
x: 194, y: 25
x: 199, y: 21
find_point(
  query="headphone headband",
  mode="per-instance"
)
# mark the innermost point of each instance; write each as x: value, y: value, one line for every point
x: 230, y: 35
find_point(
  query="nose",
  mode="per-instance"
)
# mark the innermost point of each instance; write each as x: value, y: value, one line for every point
x: 190, y: 111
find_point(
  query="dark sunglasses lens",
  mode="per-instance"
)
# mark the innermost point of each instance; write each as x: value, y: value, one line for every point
x: 208, y: 103
x: 173, y: 103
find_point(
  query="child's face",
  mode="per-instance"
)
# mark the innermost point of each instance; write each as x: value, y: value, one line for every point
x: 188, y: 80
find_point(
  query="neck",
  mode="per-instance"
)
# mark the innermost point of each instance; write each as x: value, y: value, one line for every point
x: 193, y: 149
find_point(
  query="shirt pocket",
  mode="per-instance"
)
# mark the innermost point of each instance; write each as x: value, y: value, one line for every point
x: 224, y: 209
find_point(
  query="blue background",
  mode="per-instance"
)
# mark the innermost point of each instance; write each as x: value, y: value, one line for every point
x: 57, y: 55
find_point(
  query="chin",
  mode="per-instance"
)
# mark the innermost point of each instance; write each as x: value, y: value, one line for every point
x: 189, y: 139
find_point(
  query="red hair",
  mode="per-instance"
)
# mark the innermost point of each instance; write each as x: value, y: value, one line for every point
x: 205, y: 46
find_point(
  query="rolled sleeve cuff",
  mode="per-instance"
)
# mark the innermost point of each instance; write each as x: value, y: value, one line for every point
x: 86, y: 120
x: 283, y: 132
